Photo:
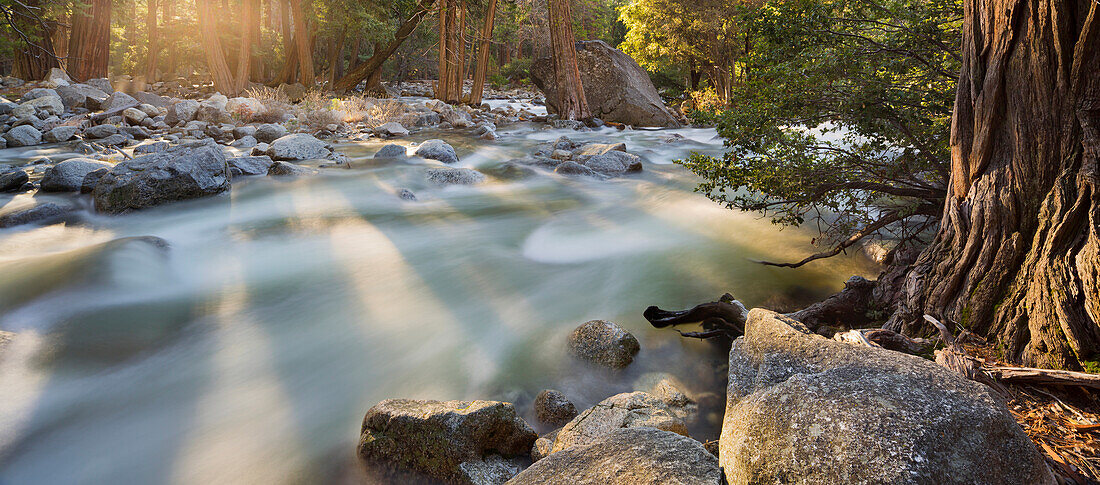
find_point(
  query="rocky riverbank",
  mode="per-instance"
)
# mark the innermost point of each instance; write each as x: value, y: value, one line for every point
x: 799, y: 407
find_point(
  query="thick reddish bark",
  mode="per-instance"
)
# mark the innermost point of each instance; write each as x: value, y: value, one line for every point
x: 572, y: 105
x: 151, y: 31
x: 249, y: 20
x: 1017, y: 256
x: 303, y: 43
x: 483, y: 54
x: 212, y: 47
x: 366, y: 69
x: 89, y: 42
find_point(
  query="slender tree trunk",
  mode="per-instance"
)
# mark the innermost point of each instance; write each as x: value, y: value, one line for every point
x: 478, y: 89
x: 572, y: 104
x: 363, y: 71
x: 211, y: 46
x: 256, y: 63
x: 1017, y: 256
x: 442, y: 88
x: 89, y: 43
x: 290, y: 53
x: 459, y: 40
x: 304, y: 44
x: 151, y: 31
x: 249, y: 8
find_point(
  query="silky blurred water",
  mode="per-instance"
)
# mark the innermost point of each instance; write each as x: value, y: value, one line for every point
x: 248, y: 350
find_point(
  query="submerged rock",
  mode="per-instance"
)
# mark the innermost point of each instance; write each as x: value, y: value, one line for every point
x: 603, y: 342
x: 455, y: 176
x: 183, y: 172
x: 437, y: 150
x: 453, y: 440
x: 626, y: 410
x: 553, y: 408
x: 68, y: 176
x: 39, y: 213
x: 800, y: 405
x: 632, y: 456
x: 392, y: 151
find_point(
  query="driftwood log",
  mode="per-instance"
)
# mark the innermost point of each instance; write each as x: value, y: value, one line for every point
x: 723, y: 318
x: 847, y: 309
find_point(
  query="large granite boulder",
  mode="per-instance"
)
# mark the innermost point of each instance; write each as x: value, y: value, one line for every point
x: 631, y: 456
x: 803, y: 406
x: 67, y: 176
x: 454, y: 441
x: 181, y: 173
x: 454, y: 176
x: 23, y: 135
x: 626, y: 410
x: 81, y: 95
x: 182, y: 112
x: 603, y: 342
x: 616, y: 87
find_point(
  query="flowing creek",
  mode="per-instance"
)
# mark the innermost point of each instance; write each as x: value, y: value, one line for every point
x: 248, y: 350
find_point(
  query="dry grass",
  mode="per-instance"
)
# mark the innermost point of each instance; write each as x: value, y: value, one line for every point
x: 374, y: 112
x: 317, y: 110
x: 276, y: 104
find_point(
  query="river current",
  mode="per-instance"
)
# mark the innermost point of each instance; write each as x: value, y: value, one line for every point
x: 248, y: 347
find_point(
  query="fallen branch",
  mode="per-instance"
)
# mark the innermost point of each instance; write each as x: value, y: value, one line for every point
x: 725, y: 317
x: 107, y: 114
x: 1031, y: 375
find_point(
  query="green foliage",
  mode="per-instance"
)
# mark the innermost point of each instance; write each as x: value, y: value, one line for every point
x: 518, y: 70
x: 843, y: 116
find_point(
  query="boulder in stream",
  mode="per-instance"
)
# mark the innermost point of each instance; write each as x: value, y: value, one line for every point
x: 453, y: 441
x: 604, y: 343
x: 626, y: 410
x: 181, y: 173
x: 298, y: 146
x: 437, y: 150
x: 800, y: 405
x: 455, y: 176
x: 68, y: 176
x: 392, y: 151
x: 12, y: 180
x: 553, y: 408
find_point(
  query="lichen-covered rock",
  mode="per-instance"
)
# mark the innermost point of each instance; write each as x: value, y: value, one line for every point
x: 182, y: 112
x: 392, y: 151
x: 632, y: 456
x: 181, y: 173
x: 670, y: 391
x: 23, y: 135
x: 626, y: 410
x: 269, y: 132
x: 616, y: 87
x: 68, y: 176
x: 800, y: 405
x: 298, y: 146
x: 51, y: 105
x: 61, y: 133
x: 552, y: 407
x: 117, y: 100
x: 12, y: 180
x: 437, y: 150
x: 391, y: 129
x: 443, y: 440
x: 614, y: 163
x: 603, y: 342
x: 100, y: 131
x: 575, y: 169
x: 81, y: 95
x: 455, y: 176
x: 251, y: 165
x: 153, y: 147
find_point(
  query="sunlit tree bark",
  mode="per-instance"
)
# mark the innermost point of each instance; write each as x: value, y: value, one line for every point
x: 151, y: 32
x: 572, y: 104
x: 304, y: 43
x: 368, y: 68
x: 89, y: 42
x: 212, y: 48
x: 1017, y: 256
x: 483, y: 54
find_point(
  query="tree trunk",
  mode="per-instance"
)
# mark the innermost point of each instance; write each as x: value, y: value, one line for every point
x: 212, y: 47
x: 478, y: 89
x: 249, y: 8
x: 34, y: 60
x: 572, y: 104
x: 1017, y: 256
x: 459, y: 40
x: 446, y: 13
x: 89, y: 42
x: 151, y: 31
x: 363, y: 71
x: 304, y: 44
x: 256, y: 64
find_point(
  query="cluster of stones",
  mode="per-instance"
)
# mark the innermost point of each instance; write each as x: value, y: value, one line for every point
x: 798, y: 405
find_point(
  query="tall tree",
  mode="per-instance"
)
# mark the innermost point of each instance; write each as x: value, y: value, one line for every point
x: 304, y: 43
x: 212, y: 47
x: 1017, y: 255
x: 89, y: 42
x: 372, y: 65
x: 35, y: 55
x: 443, y: 88
x: 483, y: 54
x: 250, y: 23
x: 572, y: 105
x: 151, y: 31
